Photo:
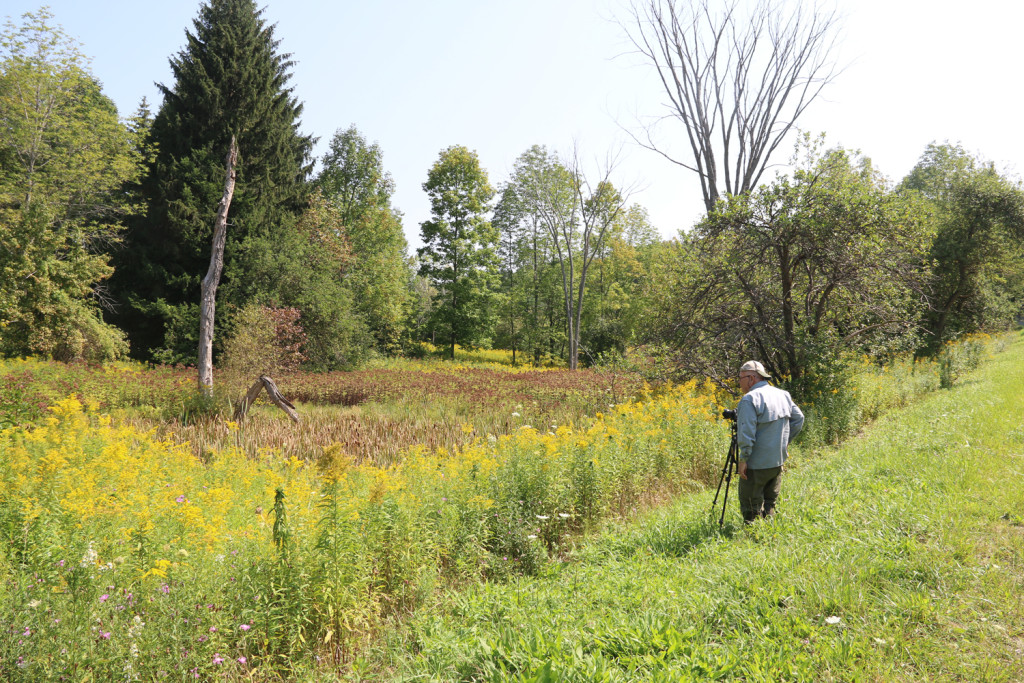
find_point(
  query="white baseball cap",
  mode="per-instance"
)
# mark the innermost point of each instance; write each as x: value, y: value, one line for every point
x: 755, y: 366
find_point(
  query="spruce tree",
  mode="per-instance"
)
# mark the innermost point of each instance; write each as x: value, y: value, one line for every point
x: 229, y: 79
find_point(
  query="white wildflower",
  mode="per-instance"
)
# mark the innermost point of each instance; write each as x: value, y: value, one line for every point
x: 832, y: 620
x: 136, y: 626
x: 90, y: 558
x: 543, y: 517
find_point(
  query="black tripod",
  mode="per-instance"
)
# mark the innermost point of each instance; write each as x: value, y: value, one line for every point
x: 727, y: 469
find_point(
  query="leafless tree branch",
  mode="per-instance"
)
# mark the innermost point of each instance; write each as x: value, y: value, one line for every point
x: 738, y: 83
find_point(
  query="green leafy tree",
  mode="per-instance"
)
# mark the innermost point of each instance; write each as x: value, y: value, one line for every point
x: 531, y: 279
x: 64, y: 159
x: 513, y: 329
x: 544, y: 193
x: 577, y: 215
x: 458, y: 255
x: 229, y: 79
x: 799, y: 272
x: 978, y: 221
x: 622, y: 269
x: 306, y: 270
x: 354, y: 181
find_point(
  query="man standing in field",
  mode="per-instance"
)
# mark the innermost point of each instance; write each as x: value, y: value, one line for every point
x: 766, y: 421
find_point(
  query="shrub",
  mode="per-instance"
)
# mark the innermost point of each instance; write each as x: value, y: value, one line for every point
x: 266, y: 341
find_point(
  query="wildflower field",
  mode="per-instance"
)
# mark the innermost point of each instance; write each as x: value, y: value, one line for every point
x: 373, y: 414
x: 126, y: 556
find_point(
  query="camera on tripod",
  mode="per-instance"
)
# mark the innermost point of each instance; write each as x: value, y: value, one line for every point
x: 729, y: 414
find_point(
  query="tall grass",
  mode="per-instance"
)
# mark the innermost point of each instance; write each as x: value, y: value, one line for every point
x: 480, y: 358
x: 373, y: 414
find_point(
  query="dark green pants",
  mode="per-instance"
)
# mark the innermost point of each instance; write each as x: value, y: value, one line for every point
x: 758, y: 493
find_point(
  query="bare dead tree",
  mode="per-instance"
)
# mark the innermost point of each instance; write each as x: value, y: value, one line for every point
x: 208, y: 299
x: 736, y: 82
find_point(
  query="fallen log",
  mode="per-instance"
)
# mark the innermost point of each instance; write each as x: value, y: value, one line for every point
x: 280, y: 401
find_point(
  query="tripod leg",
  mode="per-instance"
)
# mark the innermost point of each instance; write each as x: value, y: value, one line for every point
x: 721, y: 478
x: 729, y: 464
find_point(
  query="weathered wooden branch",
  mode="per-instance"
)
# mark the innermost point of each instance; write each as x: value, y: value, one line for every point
x: 208, y: 302
x: 275, y: 396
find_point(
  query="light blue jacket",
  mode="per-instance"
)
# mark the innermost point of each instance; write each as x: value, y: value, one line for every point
x: 766, y: 420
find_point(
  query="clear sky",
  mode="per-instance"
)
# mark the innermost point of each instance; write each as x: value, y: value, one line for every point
x: 499, y: 76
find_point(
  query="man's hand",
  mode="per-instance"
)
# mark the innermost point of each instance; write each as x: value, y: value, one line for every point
x: 741, y: 469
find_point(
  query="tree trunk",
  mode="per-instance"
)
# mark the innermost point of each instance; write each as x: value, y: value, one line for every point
x: 208, y: 302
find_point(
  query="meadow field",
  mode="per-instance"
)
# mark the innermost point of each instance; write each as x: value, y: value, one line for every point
x: 130, y: 553
x: 897, y: 556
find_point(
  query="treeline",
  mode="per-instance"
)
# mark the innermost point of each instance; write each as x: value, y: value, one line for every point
x: 105, y: 228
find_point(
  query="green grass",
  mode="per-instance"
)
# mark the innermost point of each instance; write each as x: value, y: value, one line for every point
x: 898, y: 556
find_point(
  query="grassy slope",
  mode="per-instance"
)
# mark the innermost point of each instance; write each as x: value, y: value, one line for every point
x: 911, y: 535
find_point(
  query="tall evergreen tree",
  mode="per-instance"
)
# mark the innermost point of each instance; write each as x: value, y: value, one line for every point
x: 229, y: 79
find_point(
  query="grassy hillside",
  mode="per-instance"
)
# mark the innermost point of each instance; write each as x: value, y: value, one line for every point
x: 896, y: 557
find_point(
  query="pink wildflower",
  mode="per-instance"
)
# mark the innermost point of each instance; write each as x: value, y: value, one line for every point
x: 217, y: 659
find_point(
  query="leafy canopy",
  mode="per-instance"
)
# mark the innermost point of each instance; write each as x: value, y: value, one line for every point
x: 64, y: 158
